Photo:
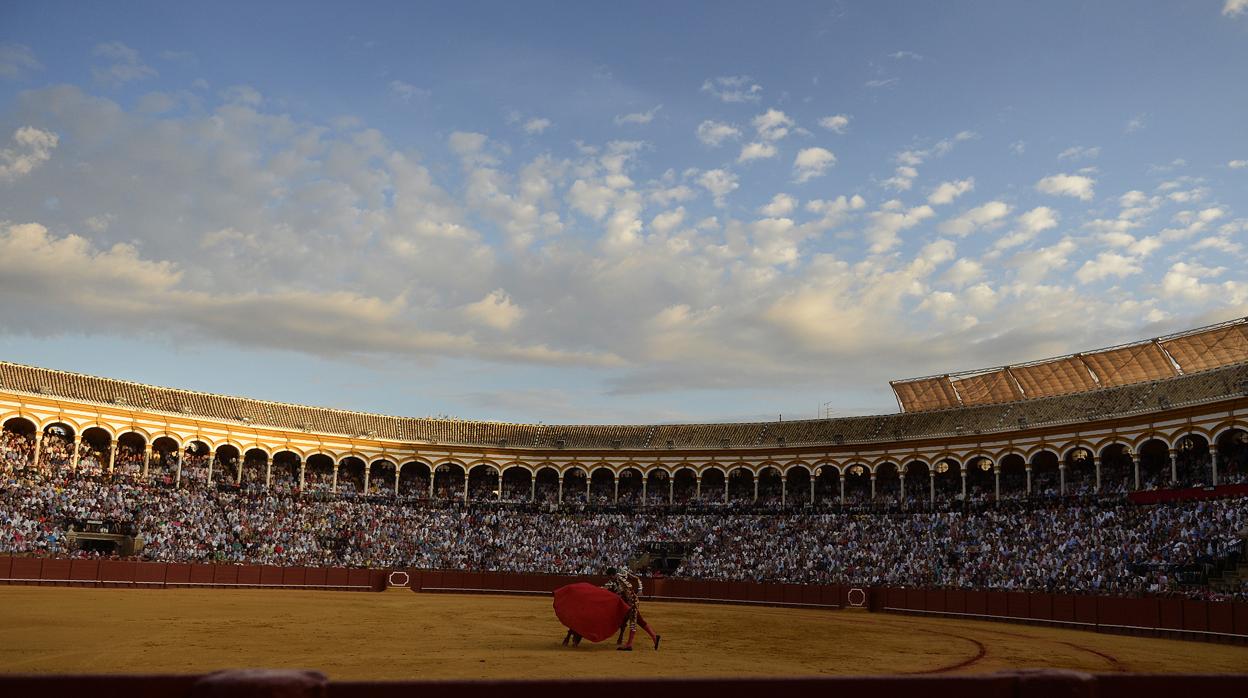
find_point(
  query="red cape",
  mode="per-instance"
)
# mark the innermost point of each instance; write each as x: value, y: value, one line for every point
x: 590, y: 611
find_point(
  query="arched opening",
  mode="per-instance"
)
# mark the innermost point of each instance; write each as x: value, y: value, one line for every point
x: 1045, y: 475
x: 350, y: 476
x: 94, y: 450
x: 827, y: 486
x: 1154, y: 465
x: 575, y: 485
x: 857, y: 485
x: 318, y: 473
x: 948, y: 475
x: 17, y: 445
x: 630, y: 486
x: 602, y: 486
x: 797, y: 490
x: 448, y: 482
x: 1080, y: 472
x: 1013, y: 476
x: 1117, y: 469
x: 414, y: 480
x: 547, y: 485
x: 981, y: 480
x: 226, y: 466
x: 483, y: 483
x: 163, y: 469
x: 56, y: 450
x: 740, y: 486
x: 381, y: 474
x: 1233, y: 457
x: 918, y: 485
x: 657, y: 487
x: 1192, y: 461
x: 887, y: 485
x: 255, y: 469
x: 713, y: 486
x: 686, y: 480
x: 517, y: 484
x: 195, y: 458
x: 770, y: 487
x: 131, y: 456
x: 284, y: 473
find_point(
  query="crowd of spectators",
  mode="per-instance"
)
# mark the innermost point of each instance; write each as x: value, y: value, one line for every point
x: 1103, y: 545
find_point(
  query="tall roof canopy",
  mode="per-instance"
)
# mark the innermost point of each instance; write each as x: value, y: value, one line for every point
x: 1153, y: 359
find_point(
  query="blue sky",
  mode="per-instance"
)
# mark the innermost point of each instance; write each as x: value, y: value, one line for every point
x: 627, y: 213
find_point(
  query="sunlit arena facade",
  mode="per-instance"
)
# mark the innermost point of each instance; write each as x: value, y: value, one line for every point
x: 1160, y: 413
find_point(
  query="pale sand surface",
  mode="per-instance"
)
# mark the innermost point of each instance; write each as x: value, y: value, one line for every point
x: 404, y: 635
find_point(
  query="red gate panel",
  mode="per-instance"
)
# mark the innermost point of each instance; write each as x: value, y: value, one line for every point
x: 1171, y: 613
x: 225, y: 574
x: 270, y: 575
x: 56, y: 571
x: 1195, y: 615
x: 977, y: 602
x: 315, y: 576
x: 1063, y: 606
x: 249, y: 575
x: 146, y: 574
x: 1040, y: 606
x: 201, y: 573
x: 177, y: 573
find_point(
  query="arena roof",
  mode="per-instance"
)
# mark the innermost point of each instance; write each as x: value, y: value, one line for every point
x: 1153, y: 359
x: 1220, y: 383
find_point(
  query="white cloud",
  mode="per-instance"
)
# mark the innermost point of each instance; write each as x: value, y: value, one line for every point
x: 756, y: 151
x: 496, y: 310
x: 948, y: 191
x: 1028, y: 225
x: 714, y: 133
x: 536, y: 125
x: 1234, y: 8
x: 780, y: 206
x: 668, y: 221
x: 1035, y: 265
x: 838, y: 123
x: 124, y: 65
x: 406, y: 91
x: 1079, y: 152
x: 17, y: 60
x: 772, y: 125
x: 733, y: 88
x: 1105, y: 265
x: 1018, y: 147
x: 811, y: 163
x: 887, y: 223
x: 33, y: 147
x: 638, y: 118
x: 720, y: 183
x: 963, y: 272
x: 980, y: 217
x: 1134, y: 124
x: 899, y: 55
x: 1077, y: 186
x: 882, y: 82
x: 1238, y: 164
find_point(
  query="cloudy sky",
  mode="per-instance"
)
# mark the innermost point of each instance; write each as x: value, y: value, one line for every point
x: 611, y: 212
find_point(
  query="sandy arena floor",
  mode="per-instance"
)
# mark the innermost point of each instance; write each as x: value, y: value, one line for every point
x: 399, y: 634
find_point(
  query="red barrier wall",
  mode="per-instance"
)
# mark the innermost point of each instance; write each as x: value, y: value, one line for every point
x: 125, y: 573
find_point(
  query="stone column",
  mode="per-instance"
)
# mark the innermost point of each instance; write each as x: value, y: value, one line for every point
x: 901, y: 493
x: 560, y: 500
x: 268, y: 472
x: 73, y: 458
x: 147, y: 460
x: 962, y: 470
x: 931, y: 486
x: 671, y: 490
x: 1174, y: 468
x: 433, y: 477
x: 725, y: 488
x: 589, y: 481
x: 532, y: 487
x: 38, y: 447
x: 398, y: 470
x: 368, y: 471
x: 1135, y: 468
x: 242, y: 463
x: 465, y: 487
x: 303, y: 479
x: 812, y: 490
x: 1061, y: 478
x: 645, y: 480
x: 334, y: 486
x: 615, y: 499
x: 996, y: 482
x: 1028, y: 469
x: 177, y: 476
x: 756, y: 489
x: 1096, y: 463
x: 697, y: 486
x: 1213, y: 463
x: 873, y: 486
x: 842, y: 478
x: 212, y: 460
x: 112, y: 456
